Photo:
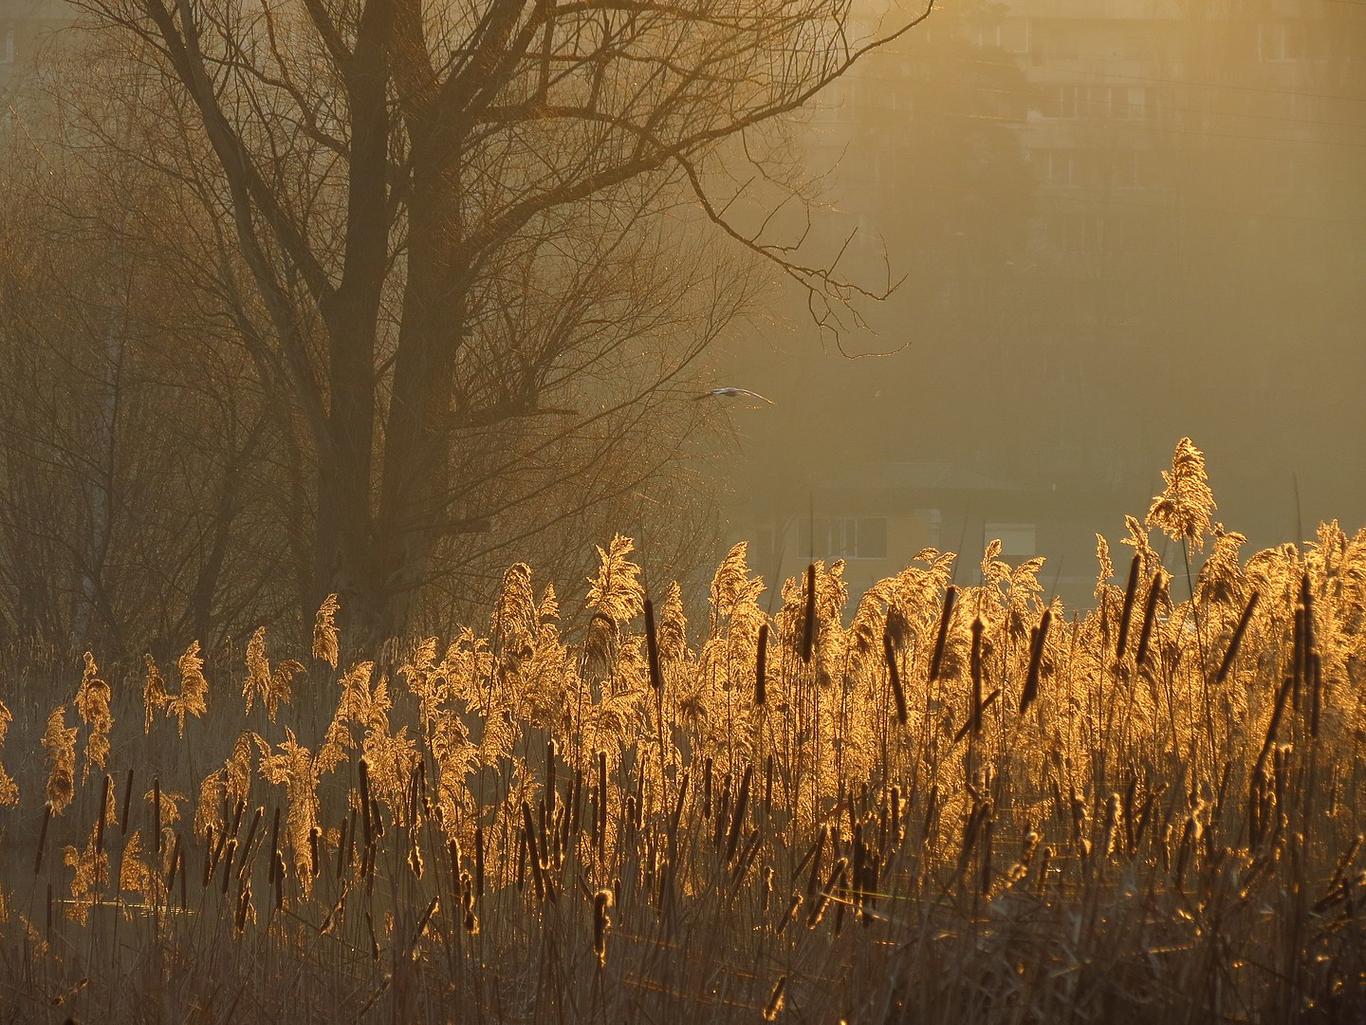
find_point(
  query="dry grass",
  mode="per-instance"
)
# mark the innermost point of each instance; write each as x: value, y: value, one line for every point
x: 954, y: 805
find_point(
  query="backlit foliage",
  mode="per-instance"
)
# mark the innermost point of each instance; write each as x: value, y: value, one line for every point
x: 1077, y: 814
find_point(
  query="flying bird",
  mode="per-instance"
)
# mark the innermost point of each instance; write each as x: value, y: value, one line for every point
x: 732, y: 393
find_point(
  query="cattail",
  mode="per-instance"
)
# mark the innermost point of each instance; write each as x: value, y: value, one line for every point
x: 976, y: 664
x: 42, y: 839
x: 761, y: 667
x: 1258, y: 777
x: 315, y: 835
x: 602, y: 923
x: 652, y: 647
x: 274, y: 836
x: 1277, y: 711
x: 156, y: 812
x: 741, y: 801
x: 774, y: 1006
x: 127, y: 803
x: 1237, y: 639
x: 793, y: 906
x: 246, y: 847
x: 1149, y: 617
x: 1031, y: 687
x: 376, y: 819
x: 229, y: 853
x: 894, y: 677
x: 987, y: 702
x: 941, y: 639
x: 809, y: 623
x: 1126, y: 614
x: 243, y: 905
x: 835, y: 880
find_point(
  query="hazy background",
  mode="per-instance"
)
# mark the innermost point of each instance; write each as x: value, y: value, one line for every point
x: 1115, y: 224
x: 1069, y: 233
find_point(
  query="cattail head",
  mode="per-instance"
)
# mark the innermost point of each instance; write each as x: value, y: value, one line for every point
x: 602, y: 923
x: 1031, y: 687
x: 1236, y: 641
x: 1149, y: 619
x: 652, y: 647
x: 1127, y: 612
x: 809, y: 620
x: 761, y: 667
x: 894, y: 677
x: 976, y: 669
x: 942, y: 637
x: 774, y: 1007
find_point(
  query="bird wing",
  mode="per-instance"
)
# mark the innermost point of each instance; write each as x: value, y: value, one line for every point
x: 731, y: 392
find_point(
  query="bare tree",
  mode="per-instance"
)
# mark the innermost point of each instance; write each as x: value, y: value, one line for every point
x: 459, y: 242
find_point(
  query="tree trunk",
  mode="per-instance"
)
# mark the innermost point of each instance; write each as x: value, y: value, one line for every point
x: 416, y: 475
x: 346, y: 557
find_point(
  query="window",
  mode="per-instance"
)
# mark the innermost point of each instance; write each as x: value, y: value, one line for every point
x: 844, y: 537
x: 1011, y: 35
x: 932, y: 523
x: 1065, y: 103
x: 1061, y: 167
x: 1092, y: 101
x: 1281, y: 41
x: 1017, y: 539
x: 1079, y: 232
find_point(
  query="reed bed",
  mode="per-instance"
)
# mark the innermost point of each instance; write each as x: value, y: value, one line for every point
x: 947, y: 804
